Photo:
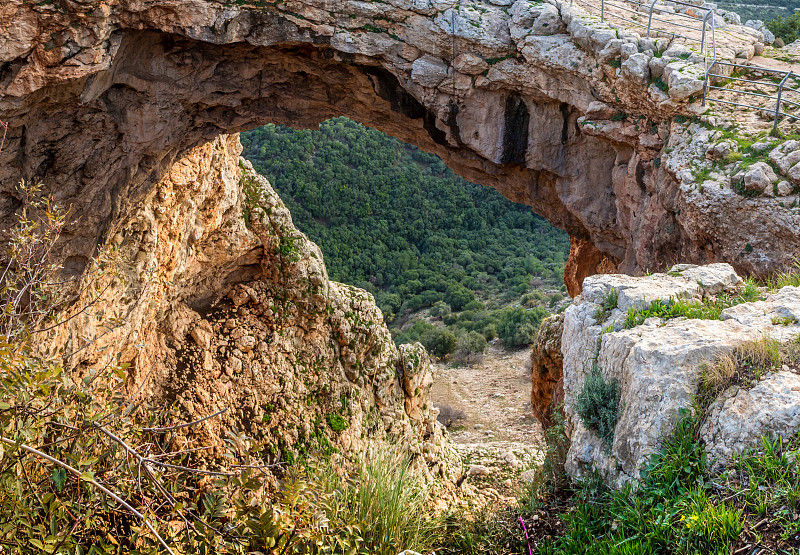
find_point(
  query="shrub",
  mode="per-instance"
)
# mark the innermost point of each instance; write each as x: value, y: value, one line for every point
x: 439, y: 342
x: 786, y: 28
x: 440, y: 308
x: 458, y: 296
x: 449, y: 416
x: 470, y: 346
x: 518, y: 326
x: 598, y: 405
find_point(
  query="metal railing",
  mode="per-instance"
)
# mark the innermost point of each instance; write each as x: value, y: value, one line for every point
x: 708, y: 49
x: 778, y: 98
x: 655, y: 13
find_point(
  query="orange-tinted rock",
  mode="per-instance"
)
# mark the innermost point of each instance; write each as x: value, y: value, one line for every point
x: 584, y: 261
x: 547, y: 381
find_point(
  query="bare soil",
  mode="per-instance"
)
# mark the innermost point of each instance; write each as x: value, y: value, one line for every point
x: 492, y: 397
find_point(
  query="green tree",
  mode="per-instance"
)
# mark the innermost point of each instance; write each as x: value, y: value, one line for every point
x: 518, y: 326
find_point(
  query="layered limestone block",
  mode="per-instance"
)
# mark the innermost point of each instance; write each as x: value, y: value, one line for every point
x: 539, y: 100
x: 659, y: 364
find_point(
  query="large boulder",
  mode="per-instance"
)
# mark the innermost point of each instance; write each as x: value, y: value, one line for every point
x: 658, y: 366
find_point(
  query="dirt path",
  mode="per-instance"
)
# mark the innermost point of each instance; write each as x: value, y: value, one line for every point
x: 496, y: 428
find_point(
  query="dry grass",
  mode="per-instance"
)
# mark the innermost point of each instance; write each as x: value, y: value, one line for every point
x: 745, y: 365
x: 788, y: 277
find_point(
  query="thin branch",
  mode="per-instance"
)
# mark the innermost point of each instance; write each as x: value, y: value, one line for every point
x: 177, y: 426
x: 129, y: 401
x: 101, y: 487
x: 145, y: 460
x: 5, y: 130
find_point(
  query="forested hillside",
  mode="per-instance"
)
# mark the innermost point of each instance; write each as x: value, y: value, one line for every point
x: 396, y: 221
x: 764, y: 10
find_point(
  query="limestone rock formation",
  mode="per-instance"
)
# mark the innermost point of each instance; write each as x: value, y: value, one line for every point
x: 547, y: 362
x: 658, y: 366
x: 228, y: 307
x: 530, y: 98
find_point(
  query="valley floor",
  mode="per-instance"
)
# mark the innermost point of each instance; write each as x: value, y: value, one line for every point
x: 488, y: 405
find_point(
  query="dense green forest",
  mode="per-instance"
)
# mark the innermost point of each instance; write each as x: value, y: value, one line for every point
x: 764, y: 10
x: 397, y: 222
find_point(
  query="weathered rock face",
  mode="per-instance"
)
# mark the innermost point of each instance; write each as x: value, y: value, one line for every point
x: 103, y: 100
x: 584, y: 261
x: 547, y: 362
x: 659, y: 365
x: 226, y: 306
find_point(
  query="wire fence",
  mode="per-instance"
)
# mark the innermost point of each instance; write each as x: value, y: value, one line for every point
x: 697, y: 25
x: 776, y: 93
x: 632, y: 11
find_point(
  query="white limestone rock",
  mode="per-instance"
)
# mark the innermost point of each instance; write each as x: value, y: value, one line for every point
x: 659, y: 364
x: 759, y: 177
x: 470, y: 64
x: 684, y: 79
x: 549, y: 22
x: 636, y: 67
x: 759, y: 25
x: 741, y: 416
x: 429, y: 71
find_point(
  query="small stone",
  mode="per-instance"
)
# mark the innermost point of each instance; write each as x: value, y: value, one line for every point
x: 784, y: 189
x: 529, y: 476
x: 479, y: 470
x: 246, y: 343
x: 233, y: 366
x: 202, y: 335
x: 719, y: 151
x: 759, y: 177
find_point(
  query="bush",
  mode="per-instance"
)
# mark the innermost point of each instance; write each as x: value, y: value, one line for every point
x: 518, y: 326
x: 470, y: 347
x: 448, y: 416
x: 439, y: 342
x: 440, y: 309
x: 786, y: 28
x: 458, y: 296
x: 598, y: 405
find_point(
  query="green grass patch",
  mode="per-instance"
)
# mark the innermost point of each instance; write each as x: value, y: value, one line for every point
x: 710, y: 309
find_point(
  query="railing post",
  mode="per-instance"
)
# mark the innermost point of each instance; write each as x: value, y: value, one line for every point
x: 705, y: 82
x: 650, y: 18
x: 778, y: 104
x: 703, y: 36
x: 602, y: 10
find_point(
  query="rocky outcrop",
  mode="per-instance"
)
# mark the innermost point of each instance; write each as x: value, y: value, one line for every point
x: 226, y: 306
x: 547, y: 380
x: 539, y: 100
x: 659, y: 363
x: 584, y: 261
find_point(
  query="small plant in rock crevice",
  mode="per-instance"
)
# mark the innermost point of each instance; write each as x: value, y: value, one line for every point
x: 708, y: 309
x: 608, y: 303
x: 598, y: 405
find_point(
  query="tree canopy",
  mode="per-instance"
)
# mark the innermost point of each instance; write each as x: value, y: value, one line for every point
x: 396, y: 221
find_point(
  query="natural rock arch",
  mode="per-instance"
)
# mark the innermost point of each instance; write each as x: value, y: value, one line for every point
x: 102, y: 102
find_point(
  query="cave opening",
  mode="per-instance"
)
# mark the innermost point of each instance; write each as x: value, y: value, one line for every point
x: 451, y: 264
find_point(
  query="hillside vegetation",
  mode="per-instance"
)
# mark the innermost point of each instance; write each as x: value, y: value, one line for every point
x: 397, y: 222
x: 764, y: 10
